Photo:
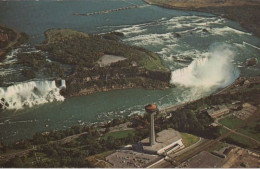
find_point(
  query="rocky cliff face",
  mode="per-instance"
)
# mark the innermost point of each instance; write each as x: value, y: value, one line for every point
x: 108, y: 78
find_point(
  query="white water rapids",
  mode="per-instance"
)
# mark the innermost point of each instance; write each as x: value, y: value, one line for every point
x: 30, y: 93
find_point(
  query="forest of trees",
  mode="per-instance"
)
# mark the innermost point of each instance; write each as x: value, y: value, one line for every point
x: 84, y: 50
x: 37, y: 63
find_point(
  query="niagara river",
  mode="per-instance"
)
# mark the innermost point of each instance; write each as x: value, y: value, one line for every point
x: 204, y: 52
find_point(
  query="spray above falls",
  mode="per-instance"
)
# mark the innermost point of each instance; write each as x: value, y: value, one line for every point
x: 216, y: 70
x: 30, y: 93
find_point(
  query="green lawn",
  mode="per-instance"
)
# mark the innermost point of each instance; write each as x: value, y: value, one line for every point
x: 189, y: 139
x: 231, y: 122
x: 251, y: 130
x: 153, y: 63
x: 119, y: 134
x: 217, y: 146
x: 240, y: 140
x: 223, y: 130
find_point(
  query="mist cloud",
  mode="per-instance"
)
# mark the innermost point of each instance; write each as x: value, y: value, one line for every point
x: 216, y: 70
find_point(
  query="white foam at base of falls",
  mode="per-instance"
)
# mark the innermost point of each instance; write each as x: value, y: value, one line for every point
x: 31, y: 93
x: 216, y: 70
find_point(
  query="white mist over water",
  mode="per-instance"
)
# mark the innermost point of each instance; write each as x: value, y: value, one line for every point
x: 214, y: 71
x: 30, y: 93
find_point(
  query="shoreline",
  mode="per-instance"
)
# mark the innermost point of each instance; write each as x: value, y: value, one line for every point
x: 232, y: 12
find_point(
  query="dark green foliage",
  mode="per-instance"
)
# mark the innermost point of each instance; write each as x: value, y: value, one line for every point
x: 58, y: 156
x: 15, y: 163
x: 110, y: 36
x: 75, y: 48
x: 11, y: 36
x: 186, y: 120
x: 28, y: 73
x: 118, y: 34
x: 36, y: 62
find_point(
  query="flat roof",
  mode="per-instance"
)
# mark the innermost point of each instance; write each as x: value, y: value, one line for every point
x: 130, y: 159
x: 163, y: 139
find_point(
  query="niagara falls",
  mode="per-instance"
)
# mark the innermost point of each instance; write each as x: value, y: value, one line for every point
x: 129, y: 83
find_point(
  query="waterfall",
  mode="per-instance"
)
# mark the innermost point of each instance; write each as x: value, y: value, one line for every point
x: 216, y: 70
x: 63, y: 84
x: 30, y: 93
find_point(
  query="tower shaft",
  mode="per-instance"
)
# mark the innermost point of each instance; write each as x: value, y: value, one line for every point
x: 152, y: 132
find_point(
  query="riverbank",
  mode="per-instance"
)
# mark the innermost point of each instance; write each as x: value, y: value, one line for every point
x: 246, y: 13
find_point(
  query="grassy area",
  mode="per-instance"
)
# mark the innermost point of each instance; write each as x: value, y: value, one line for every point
x: 223, y: 131
x: 119, y: 134
x: 60, y: 34
x: 217, y: 146
x: 242, y: 141
x: 189, y: 139
x: 153, y: 63
x: 231, y: 122
x: 251, y: 130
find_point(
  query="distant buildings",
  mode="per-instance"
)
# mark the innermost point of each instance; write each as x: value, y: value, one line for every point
x: 218, y: 111
x: 246, y: 111
x: 150, y: 149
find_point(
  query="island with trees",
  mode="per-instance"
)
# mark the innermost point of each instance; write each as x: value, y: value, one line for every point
x: 92, y: 63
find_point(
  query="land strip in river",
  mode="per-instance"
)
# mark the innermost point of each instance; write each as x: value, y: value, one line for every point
x: 245, y: 12
x: 111, y: 10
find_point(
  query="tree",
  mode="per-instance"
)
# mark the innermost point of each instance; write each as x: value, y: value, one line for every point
x: 15, y: 163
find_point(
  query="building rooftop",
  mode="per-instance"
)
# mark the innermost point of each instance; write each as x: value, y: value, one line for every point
x: 130, y: 159
x: 163, y: 139
x: 203, y: 160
